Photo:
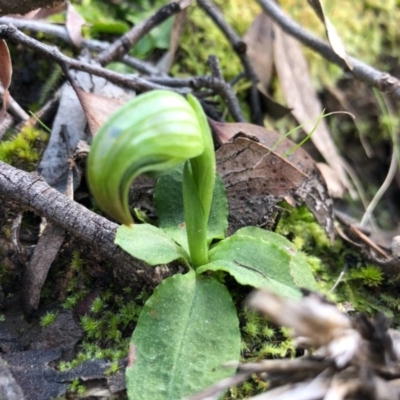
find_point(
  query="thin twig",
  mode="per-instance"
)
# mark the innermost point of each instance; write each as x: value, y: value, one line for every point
x: 132, y: 82
x: 224, y: 90
x: 61, y: 32
x: 338, y: 280
x: 240, y: 48
x: 363, y: 72
x: 382, y: 190
x: 123, y: 44
x: 14, y: 108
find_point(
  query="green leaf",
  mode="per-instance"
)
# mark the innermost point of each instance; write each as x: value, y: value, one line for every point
x: 169, y: 205
x: 150, y: 244
x: 261, y: 260
x: 299, y: 268
x: 254, y: 277
x: 153, y: 133
x: 187, y: 330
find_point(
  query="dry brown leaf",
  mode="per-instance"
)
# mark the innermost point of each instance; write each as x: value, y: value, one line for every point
x: 97, y: 108
x: 74, y: 25
x: 259, y: 171
x: 301, y: 97
x: 5, y: 74
x: 333, y: 37
x: 259, y: 42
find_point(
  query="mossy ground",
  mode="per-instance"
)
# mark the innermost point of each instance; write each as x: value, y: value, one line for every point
x: 370, y: 32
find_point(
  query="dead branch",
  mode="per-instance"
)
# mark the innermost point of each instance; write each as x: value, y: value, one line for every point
x: 363, y: 72
x: 31, y: 191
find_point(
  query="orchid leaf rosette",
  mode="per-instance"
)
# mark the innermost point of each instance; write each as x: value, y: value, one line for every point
x: 188, y: 327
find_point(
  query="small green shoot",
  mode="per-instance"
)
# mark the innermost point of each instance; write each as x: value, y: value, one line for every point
x: 48, y: 319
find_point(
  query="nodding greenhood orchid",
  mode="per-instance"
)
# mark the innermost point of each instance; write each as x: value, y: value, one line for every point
x: 154, y: 133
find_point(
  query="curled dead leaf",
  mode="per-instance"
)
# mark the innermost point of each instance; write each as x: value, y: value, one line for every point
x: 259, y: 170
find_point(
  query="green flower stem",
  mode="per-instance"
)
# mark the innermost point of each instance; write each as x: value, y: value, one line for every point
x: 198, y: 187
x: 203, y: 166
x: 196, y: 223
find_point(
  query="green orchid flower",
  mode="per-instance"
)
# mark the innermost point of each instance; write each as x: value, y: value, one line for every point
x: 152, y: 134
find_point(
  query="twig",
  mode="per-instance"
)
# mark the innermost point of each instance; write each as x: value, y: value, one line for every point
x: 338, y: 280
x: 240, y: 48
x: 298, y: 365
x: 133, y: 82
x: 31, y: 191
x: 123, y: 44
x: 363, y: 72
x: 382, y: 190
x: 224, y: 90
x: 14, y: 107
x: 94, y: 45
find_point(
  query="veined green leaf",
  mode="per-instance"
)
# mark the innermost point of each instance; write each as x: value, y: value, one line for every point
x: 255, y: 277
x: 261, y: 259
x: 187, y: 330
x: 152, y: 133
x: 150, y: 244
x: 299, y: 268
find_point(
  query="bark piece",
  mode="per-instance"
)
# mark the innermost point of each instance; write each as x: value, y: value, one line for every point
x: 38, y: 267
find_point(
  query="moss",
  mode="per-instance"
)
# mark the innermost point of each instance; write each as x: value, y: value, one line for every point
x: 107, y: 327
x: 48, y: 319
x: 22, y: 149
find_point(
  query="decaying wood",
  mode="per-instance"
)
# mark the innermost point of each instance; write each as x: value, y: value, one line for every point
x: 31, y: 191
